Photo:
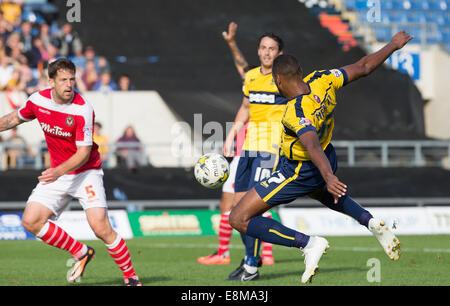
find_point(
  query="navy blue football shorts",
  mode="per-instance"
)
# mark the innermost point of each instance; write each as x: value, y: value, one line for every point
x: 293, y: 179
x: 252, y: 168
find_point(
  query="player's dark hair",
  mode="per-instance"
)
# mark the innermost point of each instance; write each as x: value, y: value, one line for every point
x: 286, y: 65
x: 274, y: 37
x: 60, y: 63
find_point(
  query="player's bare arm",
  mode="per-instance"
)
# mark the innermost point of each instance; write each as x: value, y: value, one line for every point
x: 77, y: 160
x: 9, y: 121
x: 239, y: 60
x: 369, y: 63
x: 241, y: 118
x: 311, y: 141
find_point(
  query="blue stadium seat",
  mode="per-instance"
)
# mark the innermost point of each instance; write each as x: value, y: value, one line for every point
x: 360, y: 4
x: 387, y: 5
x: 382, y: 33
x: 441, y: 5
x: 397, y: 4
x: 419, y: 4
x: 406, y: 4
x: 434, y: 37
x: 416, y: 17
x: 350, y: 4
x: 399, y: 16
x: 437, y: 17
x: 445, y: 34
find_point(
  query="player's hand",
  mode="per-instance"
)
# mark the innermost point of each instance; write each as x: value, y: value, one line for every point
x: 336, y: 188
x: 49, y: 176
x: 229, y: 36
x: 400, y: 39
x: 227, y: 149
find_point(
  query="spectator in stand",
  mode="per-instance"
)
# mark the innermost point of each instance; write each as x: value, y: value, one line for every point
x: 125, y: 83
x: 70, y: 42
x: 12, y: 11
x: 6, y: 71
x: 102, y: 141
x: 5, y: 29
x: 105, y: 84
x: 2, y: 48
x: 17, y: 150
x: 103, y: 65
x: 39, y: 45
x: 37, y: 85
x: 26, y: 38
x: 90, y: 75
x: 53, y: 53
x: 129, y: 150
x: 45, y: 35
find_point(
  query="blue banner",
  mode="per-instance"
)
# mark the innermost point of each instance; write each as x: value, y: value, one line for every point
x: 11, y: 227
x: 406, y: 62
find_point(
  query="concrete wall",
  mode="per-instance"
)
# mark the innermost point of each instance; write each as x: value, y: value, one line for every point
x: 433, y: 82
x: 155, y: 124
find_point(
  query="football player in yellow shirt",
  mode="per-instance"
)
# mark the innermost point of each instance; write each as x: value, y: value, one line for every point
x: 308, y: 161
x: 263, y: 108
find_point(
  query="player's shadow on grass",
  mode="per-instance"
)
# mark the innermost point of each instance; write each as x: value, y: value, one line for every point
x: 146, y: 281
x: 321, y: 271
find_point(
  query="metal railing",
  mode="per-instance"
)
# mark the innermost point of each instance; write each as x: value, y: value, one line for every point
x: 355, y: 153
x: 213, y: 204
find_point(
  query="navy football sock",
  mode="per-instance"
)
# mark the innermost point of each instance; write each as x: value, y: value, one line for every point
x: 347, y: 206
x: 252, y: 247
x: 269, y: 230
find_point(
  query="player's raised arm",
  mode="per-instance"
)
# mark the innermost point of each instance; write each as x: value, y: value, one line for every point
x: 239, y: 122
x: 9, y: 121
x: 370, y: 62
x: 239, y: 60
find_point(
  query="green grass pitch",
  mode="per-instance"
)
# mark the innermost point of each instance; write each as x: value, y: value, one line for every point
x: 351, y: 261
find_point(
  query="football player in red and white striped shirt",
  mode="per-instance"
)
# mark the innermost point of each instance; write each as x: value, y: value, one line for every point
x: 67, y: 121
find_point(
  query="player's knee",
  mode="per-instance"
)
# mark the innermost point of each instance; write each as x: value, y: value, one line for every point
x: 102, y: 231
x: 31, y: 224
x: 238, y: 222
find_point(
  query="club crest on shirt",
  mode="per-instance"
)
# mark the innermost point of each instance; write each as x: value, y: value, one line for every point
x: 337, y: 73
x: 317, y: 98
x: 69, y: 121
x: 304, y: 121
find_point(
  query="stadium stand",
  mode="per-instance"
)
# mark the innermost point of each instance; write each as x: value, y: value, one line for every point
x: 428, y: 20
x: 188, y: 63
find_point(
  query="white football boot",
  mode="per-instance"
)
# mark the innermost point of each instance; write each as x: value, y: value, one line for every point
x: 313, y: 252
x: 390, y: 243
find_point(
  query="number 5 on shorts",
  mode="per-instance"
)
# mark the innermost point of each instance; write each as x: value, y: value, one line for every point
x: 90, y: 192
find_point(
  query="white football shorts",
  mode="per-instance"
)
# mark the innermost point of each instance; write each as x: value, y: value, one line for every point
x: 228, y: 186
x: 86, y: 187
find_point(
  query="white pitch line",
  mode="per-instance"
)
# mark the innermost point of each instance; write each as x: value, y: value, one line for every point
x: 345, y: 249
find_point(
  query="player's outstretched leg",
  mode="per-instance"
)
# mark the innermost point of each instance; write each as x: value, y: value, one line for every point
x: 346, y: 205
x: 390, y: 243
x: 267, y: 248
x: 246, y: 218
x: 313, y: 251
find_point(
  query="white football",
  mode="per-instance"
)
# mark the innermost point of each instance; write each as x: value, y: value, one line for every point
x: 212, y: 170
